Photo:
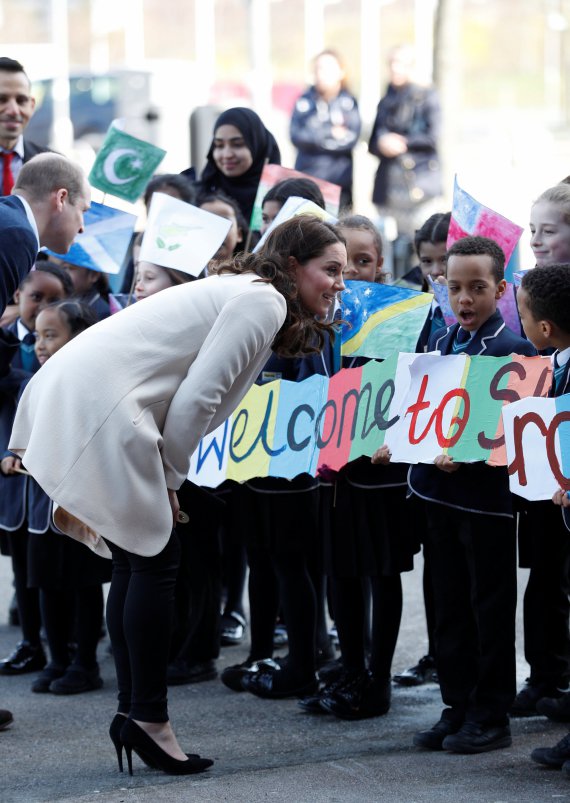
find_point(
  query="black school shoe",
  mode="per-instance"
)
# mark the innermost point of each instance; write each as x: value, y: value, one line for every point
x: 232, y: 675
x: 25, y: 658
x: 312, y: 703
x: 475, y: 738
x: 553, y: 756
x: 77, y: 680
x: 276, y: 684
x: 46, y: 677
x: 361, y: 697
x: 432, y: 739
x: 555, y: 708
x: 524, y: 704
x: 423, y: 672
x: 180, y: 672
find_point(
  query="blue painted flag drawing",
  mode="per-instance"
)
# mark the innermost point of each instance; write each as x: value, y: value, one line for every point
x: 103, y: 244
x: 381, y: 319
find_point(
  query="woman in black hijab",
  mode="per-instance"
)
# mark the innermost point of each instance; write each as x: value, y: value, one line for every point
x: 240, y: 148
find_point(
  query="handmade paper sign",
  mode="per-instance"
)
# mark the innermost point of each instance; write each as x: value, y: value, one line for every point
x: 381, y: 319
x: 273, y: 174
x: 103, y: 244
x: 124, y: 165
x: 181, y: 236
x: 507, y: 305
x: 454, y: 406
x: 421, y: 405
x: 292, y: 207
x: 469, y: 217
x: 537, y: 435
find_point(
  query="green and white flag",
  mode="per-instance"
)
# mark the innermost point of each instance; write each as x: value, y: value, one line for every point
x: 124, y: 165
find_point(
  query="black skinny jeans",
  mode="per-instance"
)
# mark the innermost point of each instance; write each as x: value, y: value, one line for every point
x: 140, y: 615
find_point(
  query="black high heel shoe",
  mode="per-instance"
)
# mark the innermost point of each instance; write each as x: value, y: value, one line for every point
x: 135, y: 738
x: 115, y: 734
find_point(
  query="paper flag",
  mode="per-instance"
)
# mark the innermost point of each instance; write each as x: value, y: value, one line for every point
x: 124, y: 165
x: 104, y: 242
x: 469, y: 217
x: 181, y: 236
x: 381, y: 319
x: 292, y: 207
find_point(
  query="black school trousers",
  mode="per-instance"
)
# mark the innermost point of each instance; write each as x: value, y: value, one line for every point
x: 473, y: 571
x: 140, y: 615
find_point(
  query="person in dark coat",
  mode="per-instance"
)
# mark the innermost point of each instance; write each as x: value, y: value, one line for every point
x: 405, y: 139
x: 325, y: 126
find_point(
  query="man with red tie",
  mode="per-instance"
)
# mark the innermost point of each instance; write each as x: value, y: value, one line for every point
x: 16, y: 109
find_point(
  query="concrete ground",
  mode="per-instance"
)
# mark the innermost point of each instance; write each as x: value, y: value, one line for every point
x: 58, y: 748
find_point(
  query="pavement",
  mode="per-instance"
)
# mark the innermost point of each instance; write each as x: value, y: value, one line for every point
x: 264, y: 750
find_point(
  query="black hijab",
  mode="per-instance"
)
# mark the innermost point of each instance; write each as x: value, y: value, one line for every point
x: 263, y: 147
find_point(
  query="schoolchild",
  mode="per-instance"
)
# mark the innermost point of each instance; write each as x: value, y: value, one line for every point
x: 219, y: 203
x: 546, y: 550
x: 282, y: 542
x: 430, y: 243
x: 69, y: 578
x: 264, y: 500
x: 367, y: 543
x: 45, y: 284
x: 90, y: 287
x: 543, y: 299
x: 274, y: 199
x: 471, y: 533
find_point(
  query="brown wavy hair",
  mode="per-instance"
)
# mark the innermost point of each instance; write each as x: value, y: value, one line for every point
x: 304, y: 237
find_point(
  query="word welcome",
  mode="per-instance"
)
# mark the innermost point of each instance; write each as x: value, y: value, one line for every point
x: 420, y: 405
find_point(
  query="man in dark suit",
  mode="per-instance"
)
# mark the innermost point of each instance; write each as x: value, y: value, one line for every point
x: 46, y: 209
x: 16, y: 109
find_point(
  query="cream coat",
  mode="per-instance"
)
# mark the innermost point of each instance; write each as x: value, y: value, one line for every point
x: 110, y: 421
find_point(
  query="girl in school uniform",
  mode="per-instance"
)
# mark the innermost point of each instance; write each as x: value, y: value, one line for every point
x: 241, y: 147
x: 279, y: 525
x: 368, y: 542
x: 44, y: 285
x: 430, y: 242
x: 68, y: 577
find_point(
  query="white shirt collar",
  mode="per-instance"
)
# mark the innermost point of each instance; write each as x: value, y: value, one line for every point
x: 31, y: 218
x: 22, y: 329
x: 562, y: 357
x: 18, y: 148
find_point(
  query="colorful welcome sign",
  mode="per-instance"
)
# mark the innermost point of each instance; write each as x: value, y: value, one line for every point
x: 538, y: 446
x: 419, y: 404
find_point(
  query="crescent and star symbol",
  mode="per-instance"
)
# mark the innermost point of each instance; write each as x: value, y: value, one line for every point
x: 109, y: 165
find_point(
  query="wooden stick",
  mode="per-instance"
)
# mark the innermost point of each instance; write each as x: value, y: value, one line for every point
x: 21, y: 471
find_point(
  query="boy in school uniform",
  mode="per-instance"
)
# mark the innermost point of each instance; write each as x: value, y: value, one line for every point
x: 544, y: 542
x: 471, y: 533
x: 544, y: 307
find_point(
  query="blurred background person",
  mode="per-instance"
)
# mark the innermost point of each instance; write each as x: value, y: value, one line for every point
x: 405, y: 138
x: 325, y: 126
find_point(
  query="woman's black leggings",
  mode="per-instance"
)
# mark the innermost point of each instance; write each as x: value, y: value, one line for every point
x: 140, y: 614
